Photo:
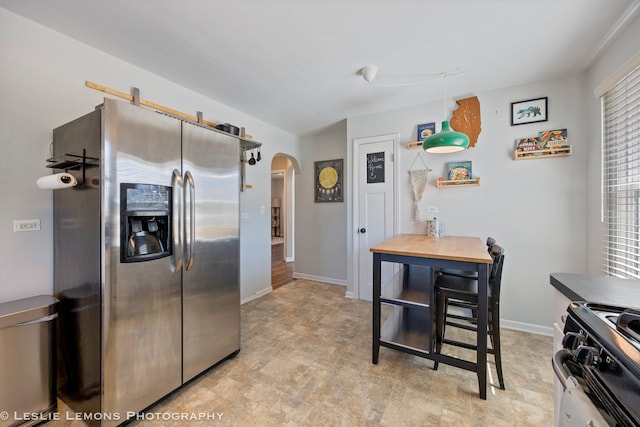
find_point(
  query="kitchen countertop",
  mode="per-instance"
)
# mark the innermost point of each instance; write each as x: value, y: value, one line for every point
x: 601, y: 289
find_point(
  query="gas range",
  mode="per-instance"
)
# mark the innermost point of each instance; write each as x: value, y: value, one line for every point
x: 602, y: 353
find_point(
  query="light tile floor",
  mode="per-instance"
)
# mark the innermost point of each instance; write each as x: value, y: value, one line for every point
x: 305, y: 360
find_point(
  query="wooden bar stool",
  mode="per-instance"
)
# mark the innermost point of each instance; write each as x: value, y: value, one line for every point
x: 462, y: 292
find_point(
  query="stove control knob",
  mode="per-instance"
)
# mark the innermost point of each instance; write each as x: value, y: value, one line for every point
x: 587, y: 355
x: 573, y: 339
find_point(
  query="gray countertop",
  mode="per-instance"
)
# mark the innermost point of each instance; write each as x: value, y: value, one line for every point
x: 601, y: 289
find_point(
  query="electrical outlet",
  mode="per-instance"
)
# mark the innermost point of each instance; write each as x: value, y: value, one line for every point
x: 26, y: 225
x: 432, y: 209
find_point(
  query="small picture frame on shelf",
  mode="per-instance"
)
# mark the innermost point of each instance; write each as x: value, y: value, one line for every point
x: 459, y: 171
x: 529, y: 111
x: 554, y: 138
x: 425, y: 130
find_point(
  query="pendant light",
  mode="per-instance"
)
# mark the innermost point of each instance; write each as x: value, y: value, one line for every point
x: 447, y: 140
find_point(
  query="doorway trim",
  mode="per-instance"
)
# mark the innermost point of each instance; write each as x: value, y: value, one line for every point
x: 357, y: 142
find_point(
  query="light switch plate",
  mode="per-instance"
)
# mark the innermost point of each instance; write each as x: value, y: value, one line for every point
x: 26, y: 225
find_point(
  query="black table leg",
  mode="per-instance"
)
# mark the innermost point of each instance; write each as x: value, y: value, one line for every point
x: 377, y: 273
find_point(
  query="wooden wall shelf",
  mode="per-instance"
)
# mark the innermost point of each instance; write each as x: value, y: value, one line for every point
x: 414, y: 145
x: 542, y: 154
x: 450, y: 183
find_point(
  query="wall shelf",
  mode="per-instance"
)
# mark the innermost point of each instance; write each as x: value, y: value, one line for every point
x: 542, y: 154
x: 72, y: 161
x: 414, y: 145
x: 451, y: 183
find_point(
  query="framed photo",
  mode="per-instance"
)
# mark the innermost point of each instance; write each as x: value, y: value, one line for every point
x: 529, y: 111
x: 328, y: 180
x: 425, y: 130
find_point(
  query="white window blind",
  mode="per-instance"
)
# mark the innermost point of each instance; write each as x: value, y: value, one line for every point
x: 621, y: 177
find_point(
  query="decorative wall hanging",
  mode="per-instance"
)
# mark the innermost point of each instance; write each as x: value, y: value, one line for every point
x: 375, y: 168
x: 529, y: 111
x: 418, y: 184
x: 466, y: 118
x: 328, y: 180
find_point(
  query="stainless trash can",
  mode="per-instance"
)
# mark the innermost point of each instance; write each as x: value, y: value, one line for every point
x: 27, y: 364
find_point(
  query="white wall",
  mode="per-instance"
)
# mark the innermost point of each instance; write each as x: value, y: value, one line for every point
x: 624, y: 47
x: 534, y: 208
x: 321, y: 233
x: 42, y: 87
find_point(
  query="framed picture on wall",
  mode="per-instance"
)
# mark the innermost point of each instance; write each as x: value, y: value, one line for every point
x: 529, y: 111
x: 425, y: 130
x: 328, y: 180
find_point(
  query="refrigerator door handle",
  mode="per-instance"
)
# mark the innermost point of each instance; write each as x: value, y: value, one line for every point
x: 190, y: 243
x: 177, y: 188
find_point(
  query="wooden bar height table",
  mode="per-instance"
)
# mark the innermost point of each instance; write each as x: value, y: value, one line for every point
x: 410, y: 326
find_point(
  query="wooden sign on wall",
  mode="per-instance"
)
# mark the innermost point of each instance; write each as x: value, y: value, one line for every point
x: 466, y: 118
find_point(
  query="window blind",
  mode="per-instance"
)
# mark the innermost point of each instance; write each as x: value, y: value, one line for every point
x: 621, y: 177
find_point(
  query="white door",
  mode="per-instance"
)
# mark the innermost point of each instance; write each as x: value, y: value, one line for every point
x: 375, y: 220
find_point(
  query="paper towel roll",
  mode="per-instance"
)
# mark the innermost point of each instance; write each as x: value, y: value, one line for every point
x: 56, y: 181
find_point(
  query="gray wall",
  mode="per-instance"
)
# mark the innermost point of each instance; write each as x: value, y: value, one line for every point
x: 321, y: 234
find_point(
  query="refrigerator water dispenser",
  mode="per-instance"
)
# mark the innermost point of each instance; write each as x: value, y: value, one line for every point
x: 145, y: 222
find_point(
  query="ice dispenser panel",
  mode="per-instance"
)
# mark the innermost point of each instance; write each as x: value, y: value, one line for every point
x: 145, y: 222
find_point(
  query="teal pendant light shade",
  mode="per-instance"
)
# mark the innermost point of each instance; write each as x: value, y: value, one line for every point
x: 445, y: 141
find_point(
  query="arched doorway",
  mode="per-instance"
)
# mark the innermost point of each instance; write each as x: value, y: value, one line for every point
x: 283, y: 170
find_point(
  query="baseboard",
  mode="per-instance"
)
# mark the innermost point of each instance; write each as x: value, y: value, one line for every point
x: 526, y: 327
x: 320, y: 279
x: 257, y: 295
x: 512, y: 324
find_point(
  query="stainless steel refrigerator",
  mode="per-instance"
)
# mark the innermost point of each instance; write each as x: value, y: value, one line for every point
x: 146, y: 257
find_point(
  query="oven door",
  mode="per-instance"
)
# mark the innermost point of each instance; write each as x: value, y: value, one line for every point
x: 576, y: 409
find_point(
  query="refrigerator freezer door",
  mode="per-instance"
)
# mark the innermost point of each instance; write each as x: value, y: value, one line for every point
x: 211, y: 294
x: 141, y: 300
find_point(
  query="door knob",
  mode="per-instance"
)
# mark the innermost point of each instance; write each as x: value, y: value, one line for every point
x: 363, y: 230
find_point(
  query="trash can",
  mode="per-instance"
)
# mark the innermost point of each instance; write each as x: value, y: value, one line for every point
x: 27, y: 364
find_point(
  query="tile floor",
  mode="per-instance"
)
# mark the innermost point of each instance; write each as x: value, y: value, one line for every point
x: 305, y: 360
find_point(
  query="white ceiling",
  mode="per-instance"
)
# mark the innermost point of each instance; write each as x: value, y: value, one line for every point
x: 295, y: 63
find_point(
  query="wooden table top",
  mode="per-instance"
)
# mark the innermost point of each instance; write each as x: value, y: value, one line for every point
x: 468, y: 249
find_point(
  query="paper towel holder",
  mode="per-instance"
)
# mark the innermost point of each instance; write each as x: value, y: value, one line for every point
x: 69, y: 162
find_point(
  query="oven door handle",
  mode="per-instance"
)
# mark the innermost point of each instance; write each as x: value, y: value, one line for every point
x: 561, y: 371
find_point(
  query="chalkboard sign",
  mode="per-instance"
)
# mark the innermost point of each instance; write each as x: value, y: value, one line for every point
x: 375, y: 167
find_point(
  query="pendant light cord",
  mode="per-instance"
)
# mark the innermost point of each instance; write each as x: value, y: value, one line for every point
x: 444, y: 77
x: 424, y: 78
